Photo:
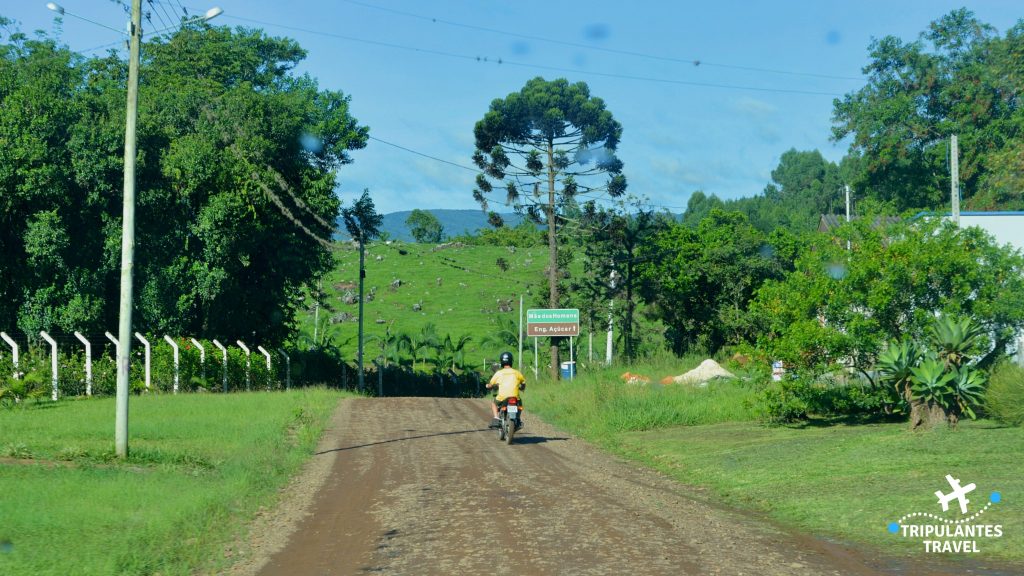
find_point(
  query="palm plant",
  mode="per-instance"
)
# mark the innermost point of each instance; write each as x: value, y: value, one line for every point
x: 421, y: 343
x: 390, y: 346
x: 507, y: 334
x: 452, y: 353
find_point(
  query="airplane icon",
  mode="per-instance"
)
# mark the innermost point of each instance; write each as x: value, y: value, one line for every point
x: 958, y: 493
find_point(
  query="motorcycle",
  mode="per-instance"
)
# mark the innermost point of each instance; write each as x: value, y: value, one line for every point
x: 508, y: 418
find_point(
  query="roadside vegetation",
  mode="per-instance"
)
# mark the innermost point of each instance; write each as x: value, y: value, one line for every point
x: 197, y: 474
x: 839, y: 477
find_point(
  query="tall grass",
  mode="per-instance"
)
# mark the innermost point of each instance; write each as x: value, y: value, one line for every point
x: 200, y: 467
x: 600, y: 403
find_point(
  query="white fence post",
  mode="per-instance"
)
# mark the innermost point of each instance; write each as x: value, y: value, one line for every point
x: 53, y: 363
x: 14, y: 351
x: 224, y: 351
x: 269, y: 367
x: 88, y: 362
x: 174, y: 346
x: 248, y: 382
x: 117, y: 344
x: 287, y: 369
x: 202, y: 358
x: 145, y: 344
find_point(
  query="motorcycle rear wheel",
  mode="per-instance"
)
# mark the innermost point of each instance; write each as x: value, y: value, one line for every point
x: 511, y: 423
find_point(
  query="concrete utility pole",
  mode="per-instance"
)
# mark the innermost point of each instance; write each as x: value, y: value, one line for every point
x: 954, y: 178
x: 611, y: 320
x: 519, y: 336
x: 124, y: 328
x: 847, y: 189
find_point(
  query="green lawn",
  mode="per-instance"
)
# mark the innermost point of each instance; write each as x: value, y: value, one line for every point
x: 850, y: 481
x: 843, y: 481
x: 200, y: 466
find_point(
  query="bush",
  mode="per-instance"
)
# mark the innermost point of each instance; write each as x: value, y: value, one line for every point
x: 785, y: 401
x: 1004, y: 400
x: 797, y: 398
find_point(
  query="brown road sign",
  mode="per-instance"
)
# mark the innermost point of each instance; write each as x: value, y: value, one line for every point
x: 553, y: 329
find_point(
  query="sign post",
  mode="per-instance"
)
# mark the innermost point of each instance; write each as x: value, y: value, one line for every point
x: 555, y: 322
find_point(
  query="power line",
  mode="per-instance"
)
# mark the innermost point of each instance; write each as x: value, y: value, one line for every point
x: 500, y: 61
x: 691, y: 61
x: 410, y: 150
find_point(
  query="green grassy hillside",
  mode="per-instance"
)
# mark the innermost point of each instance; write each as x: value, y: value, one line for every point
x: 461, y: 289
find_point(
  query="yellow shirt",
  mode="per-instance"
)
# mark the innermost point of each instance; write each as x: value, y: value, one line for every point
x: 508, y: 381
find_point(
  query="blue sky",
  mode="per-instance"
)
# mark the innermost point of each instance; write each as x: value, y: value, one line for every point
x: 767, y: 77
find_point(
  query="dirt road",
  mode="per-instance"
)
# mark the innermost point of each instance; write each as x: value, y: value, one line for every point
x: 421, y: 486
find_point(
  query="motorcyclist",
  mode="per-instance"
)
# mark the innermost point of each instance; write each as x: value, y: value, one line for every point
x: 509, y: 382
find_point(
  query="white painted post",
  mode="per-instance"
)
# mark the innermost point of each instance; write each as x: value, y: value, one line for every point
x: 536, y: 359
x: 202, y: 358
x: 117, y: 345
x: 269, y: 367
x: 149, y: 352
x: 246, y: 350
x: 53, y: 363
x: 14, y: 351
x: 572, y: 365
x: 174, y: 346
x: 287, y: 369
x: 88, y: 362
x: 224, y: 351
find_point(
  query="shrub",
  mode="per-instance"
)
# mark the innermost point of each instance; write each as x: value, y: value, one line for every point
x: 1004, y: 399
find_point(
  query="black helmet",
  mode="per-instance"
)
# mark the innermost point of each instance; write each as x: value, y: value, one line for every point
x: 506, y: 359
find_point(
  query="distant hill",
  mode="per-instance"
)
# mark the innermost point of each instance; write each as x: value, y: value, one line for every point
x: 455, y: 222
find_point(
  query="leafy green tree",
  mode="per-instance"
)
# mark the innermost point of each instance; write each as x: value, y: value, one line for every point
x: 846, y: 306
x: 234, y: 211
x: 424, y: 226
x: 700, y: 282
x: 612, y: 242
x: 954, y: 79
x: 543, y: 145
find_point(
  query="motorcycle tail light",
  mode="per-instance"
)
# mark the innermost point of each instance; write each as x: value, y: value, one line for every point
x: 512, y: 400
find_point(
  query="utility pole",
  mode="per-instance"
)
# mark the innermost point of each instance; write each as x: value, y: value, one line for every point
x: 954, y: 178
x: 611, y: 312
x: 362, y: 276
x: 124, y: 330
x: 847, y: 188
x: 519, y: 336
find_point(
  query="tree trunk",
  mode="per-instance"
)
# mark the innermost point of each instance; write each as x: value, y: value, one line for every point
x: 926, y: 415
x: 552, y: 255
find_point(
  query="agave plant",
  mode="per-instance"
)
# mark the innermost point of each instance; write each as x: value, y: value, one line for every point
x: 968, y: 387
x: 896, y: 361
x: 954, y: 339
x: 930, y: 382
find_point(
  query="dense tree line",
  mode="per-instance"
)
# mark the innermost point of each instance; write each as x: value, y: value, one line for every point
x: 236, y: 175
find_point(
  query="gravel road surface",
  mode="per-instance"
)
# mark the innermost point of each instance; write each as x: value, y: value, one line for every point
x: 421, y: 486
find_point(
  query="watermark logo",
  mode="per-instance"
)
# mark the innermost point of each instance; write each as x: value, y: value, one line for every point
x: 943, y: 535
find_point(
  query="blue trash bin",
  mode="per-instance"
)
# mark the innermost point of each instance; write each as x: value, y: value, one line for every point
x: 568, y: 370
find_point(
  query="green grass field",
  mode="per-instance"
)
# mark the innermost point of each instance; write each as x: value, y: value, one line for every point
x: 465, y: 302
x: 841, y: 481
x: 200, y: 467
